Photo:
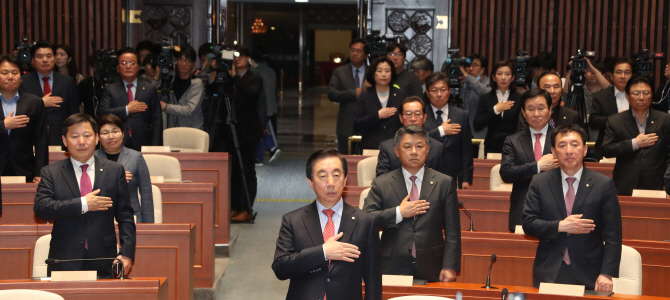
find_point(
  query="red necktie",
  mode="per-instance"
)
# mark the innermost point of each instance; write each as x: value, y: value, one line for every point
x: 538, y: 147
x: 85, y: 188
x: 130, y: 93
x: 47, y: 88
x: 414, y: 196
x: 569, y: 201
x: 329, y: 230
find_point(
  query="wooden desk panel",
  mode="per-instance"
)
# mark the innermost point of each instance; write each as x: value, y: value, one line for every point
x: 208, y: 167
x: 169, y: 243
x: 128, y: 289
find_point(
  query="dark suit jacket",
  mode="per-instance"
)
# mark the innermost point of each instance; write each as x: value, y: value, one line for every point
x: 433, y: 252
x: 17, y: 153
x: 518, y: 166
x: 387, y: 160
x: 299, y: 256
x: 58, y: 199
x: 604, y: 105
x: 456, y: 159
x: 565, y: 116
x: 409, y: 83
x: 147, y: 126
x: 366, y: 117
x: 498, y: 127
x: 644, y: 168
x: 342, y: 90
x: 63, y: 86
x: 140, y: 186
x: 659, y: 103
x: 545, y: 207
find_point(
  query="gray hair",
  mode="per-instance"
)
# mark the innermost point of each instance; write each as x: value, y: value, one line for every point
x: 409, y: 129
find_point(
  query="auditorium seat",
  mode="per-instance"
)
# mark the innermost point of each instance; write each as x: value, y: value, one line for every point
x: 496, y: 183
x: 364, y: 194
x: 28, y: 294
x: 630, y: 273
x: 158, y: 204
x: 417, y: 297
x: 40, y: 255
x: 186, y: 139
x: 163, y: 165
x: 480, y: 153
x: 366, y: 171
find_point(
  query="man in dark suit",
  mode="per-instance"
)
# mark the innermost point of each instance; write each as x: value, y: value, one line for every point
x: 451, y: 126
x: 572, y: 210
x: 610, y: 101
x: 59, y: 92
x: 411, y: 113
x: 560, y: 115
x: 83, y: 195
x: 23, y: 126
x: 414, y: 204
x: 527, y: 152
x: 347, y: 82
x: 660, y: 100
x: 639, y: 139
x: 135, y: 101
x: 328, y: 246
x: 406, y: 81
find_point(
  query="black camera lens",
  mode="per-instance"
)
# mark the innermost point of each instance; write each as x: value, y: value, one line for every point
x: 162, y: 60
x: 519, y: 69
x: 453, y: 71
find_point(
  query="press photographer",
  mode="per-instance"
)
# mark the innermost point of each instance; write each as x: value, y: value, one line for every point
x: 183, y: 106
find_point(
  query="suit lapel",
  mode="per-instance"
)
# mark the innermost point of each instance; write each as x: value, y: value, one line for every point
x: 347, y: 226
x: 427, y: 185
x: 350, y: 75
x: 398, y: 185
x: 557, y: 191
x: 67, y: 172
x: 139, y: 90
x: 99, y: 173
x: 32, y: 76
x: 527, y: 144
x: 651, y: 125
x: 583, y: 190
x: 547, y: 142
x: 631, y: 124
x: 312, y: 224
x: 124, y: 156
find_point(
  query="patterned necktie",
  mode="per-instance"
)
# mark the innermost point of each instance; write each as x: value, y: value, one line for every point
x: 551, y: 120
x: 569, y: 201
x: 130, y: 93
x: 46, y: 89
x: 85, y: 188
x: 357, y: 79
x: 439, y: 117
x: 329, y: 230
x: 538, y: 147
x: 414, y: 196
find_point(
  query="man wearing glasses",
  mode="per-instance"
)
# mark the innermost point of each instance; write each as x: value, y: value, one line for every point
x: 135, y: 101
x: 411, y: 113
x: 185, y: 108
x: 610, y: 101
x: 475, y: 84
x: 406, y: 81
x: 639, y: 138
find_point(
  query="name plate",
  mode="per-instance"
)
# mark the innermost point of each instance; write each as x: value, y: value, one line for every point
x: 155, y: 149
x: 74, y: 275
x: 562, y: 289
x: 641, y: 193
x: 13, y: 179
x: 518, y: 229
x: 397, y: 280
x: 497, y: 156
x: 157, y: 179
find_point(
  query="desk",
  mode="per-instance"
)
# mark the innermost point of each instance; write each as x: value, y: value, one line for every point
x: 182, y: 203
x: 140, y: 288
x: 172, y: 244
x: 208, y: 167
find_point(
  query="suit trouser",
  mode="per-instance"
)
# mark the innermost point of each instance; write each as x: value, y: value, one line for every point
x: 238, y: 196
x: 343, y: 144
x: 566, y: 275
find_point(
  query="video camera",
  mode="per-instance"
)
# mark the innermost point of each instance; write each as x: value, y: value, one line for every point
x: 643, y: 64
x: 579, y: 65
x: 24, y: 56
x: 451, y: 66
x: 223, y: 57
x: 163, y: 54
x: 522, y: 62
x: 377, y: 44
x: 106, y: 66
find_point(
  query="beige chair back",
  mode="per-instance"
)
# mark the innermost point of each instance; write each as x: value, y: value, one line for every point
x: 418, y: 297
x: 40, y: 255
x: 630, y: 272
x: 28, y: 294
x: 158, y: 203
x: 186, y: 139
x: 164, y: 165
x: 480, y: 153
x: 366, y: 169
x: 361, y: 200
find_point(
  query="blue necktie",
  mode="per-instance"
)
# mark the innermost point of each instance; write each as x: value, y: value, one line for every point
x: 439, y: 117
x: 357, y: 79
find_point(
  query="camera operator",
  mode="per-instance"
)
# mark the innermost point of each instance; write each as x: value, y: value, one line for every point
x: 406, y: 81
x: 143, y: 50
x: 543, y: 62
x: 475, y: 84
x: 661, y: 96
x: 151, y: 73
x: 89, y: 91
x: 188, y: 91
x: 207, y: 76
x: 595, y: 81
x: 422, y: 68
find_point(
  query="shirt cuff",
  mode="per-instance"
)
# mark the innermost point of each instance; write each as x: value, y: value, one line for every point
x: 538, y: 167
x: 635, y: 145
x: 84, y: 205
x: 398, y: 216
x: 324, y: 252
x: 126, y: 111
x: 441, y: 130
x: 495, y: 110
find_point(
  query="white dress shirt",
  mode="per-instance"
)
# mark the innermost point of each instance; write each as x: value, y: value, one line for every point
x: 543, y: 138
x: 337, y: 217
x: 384, y: 97
x: 133, y: 89
x: 78, y: 173
x: 408, y: 183
x: 445, y: 117
x: 621, y: 101
x: 501, y: 98
x: 575, y: 185
x: 51, y: 80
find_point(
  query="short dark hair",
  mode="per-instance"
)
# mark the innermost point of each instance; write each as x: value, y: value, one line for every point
x: 205, y: 49
x: 148, y: 60
x: 545, y: 60
x: 127, y: 50
x: 76, y: 119
x: 40, y: 45
x: 244, y: 51
x: 566, y: 129
x: 409, y: 129
x: 533, y: 93
x: 639, y: 79
x: 391, y: 47
x: 366, y: 49
x: 411, y: 99
x: 187, y: 51
x: 622, y: 60
x: 423, y: 63
x: 11, y: 59
x: 144, y: 45
x: 370, y: 73
x: 109, y: 119
x: 498, y: 65
x: 322, y: 154
x: 435, y: 77
x: 547, y: 74
x: 482, y: 59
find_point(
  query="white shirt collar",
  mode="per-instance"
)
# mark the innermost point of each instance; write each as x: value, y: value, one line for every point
x: 337, y: 207
x: 543, y: 131
x: 617, y: 91
x: 126, y: 83
x: 577, y: 175
x: 445, y: 110
x: 51, y: 75
x: 77, y: 165
x: 407, y: 174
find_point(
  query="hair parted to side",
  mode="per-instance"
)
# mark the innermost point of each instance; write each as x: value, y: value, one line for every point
x: 322, y: 154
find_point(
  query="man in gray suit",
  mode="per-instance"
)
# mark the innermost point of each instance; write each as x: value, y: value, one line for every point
x: 414, y: 204
x: 347, y: 83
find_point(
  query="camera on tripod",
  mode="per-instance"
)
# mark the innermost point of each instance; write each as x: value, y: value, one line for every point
x: 643, y: 64
x: 223, y: 57
x: 452, y: 66
x: 522, y: 62
x: 164, y: 56
x: 24, y: 56
x: 579, y: 65
x: 377, y: 44
x: 106, y: 66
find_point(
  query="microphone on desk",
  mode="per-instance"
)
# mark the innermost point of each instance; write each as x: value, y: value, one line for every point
x: 504, y: 293
x: 117, y: 268
x: 488, y: 278
x: 472, y: 228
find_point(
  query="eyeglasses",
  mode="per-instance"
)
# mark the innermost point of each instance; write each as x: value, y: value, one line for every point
x: 396, y: 54
x: 475, y: 65
x: 436, y: 91
x: 620, y: 72
x: 356, y: 51
x: 107, y: 133
x: 638, y: 93
x: 416, y: 114
x: 128, y: 63
x: 184, y: 60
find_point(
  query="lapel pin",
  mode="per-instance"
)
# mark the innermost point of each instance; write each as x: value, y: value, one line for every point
x: 564, y: 118
x: 353, y: 218
x: 393, y: 95
x: 100, y: 170
x: 587, y: 185
x: 652, y: 122
x: 431, y: 182
x: 142, y: 87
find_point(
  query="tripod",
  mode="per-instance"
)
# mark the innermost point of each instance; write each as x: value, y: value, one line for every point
x: 576, y: 97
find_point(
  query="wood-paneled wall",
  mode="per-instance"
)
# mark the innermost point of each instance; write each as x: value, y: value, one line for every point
x: 75, y: 22
x: 498, y: 28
